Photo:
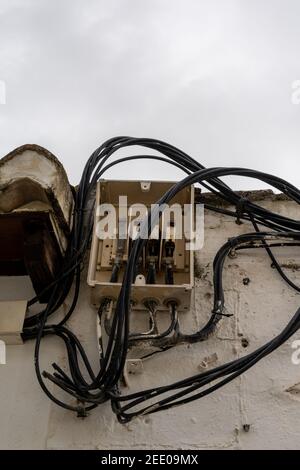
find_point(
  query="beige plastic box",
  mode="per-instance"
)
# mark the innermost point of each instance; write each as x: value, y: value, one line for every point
x: 103, y: 252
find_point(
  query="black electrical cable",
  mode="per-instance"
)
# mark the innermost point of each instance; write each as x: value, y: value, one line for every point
x: 91, y: 389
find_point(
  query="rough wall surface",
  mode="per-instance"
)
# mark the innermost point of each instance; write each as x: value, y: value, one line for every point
x: 254, y: 411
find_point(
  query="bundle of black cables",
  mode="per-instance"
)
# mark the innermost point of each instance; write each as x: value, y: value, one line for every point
x: 87, y: 393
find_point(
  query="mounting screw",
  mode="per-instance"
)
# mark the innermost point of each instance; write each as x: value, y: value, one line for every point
x: 246, y: 281
x: 246, y: 427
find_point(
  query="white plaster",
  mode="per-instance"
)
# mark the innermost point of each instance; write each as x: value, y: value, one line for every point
x: 258, y: 398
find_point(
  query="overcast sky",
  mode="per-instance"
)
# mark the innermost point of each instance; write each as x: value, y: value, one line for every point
x: 212, y: 77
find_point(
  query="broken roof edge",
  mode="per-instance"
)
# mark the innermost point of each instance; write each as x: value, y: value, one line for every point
x: 254, y: 195
x: 50, y: 176
x: 38, y: 149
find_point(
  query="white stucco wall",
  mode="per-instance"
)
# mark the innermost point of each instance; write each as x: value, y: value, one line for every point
x: 259, y: 398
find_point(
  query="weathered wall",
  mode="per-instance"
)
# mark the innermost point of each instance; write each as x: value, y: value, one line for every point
x: 254, y: 411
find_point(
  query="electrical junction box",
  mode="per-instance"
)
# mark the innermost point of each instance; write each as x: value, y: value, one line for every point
x: 165, y: 271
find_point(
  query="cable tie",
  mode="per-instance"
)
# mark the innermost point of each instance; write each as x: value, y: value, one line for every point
x: 81, y: 410
x: 218, y: 312
x: 226, y: 314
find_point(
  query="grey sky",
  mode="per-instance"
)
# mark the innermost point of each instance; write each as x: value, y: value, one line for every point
x: 212, y: 77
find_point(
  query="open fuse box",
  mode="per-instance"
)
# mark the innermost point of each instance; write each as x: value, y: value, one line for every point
x: 165, y: 269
